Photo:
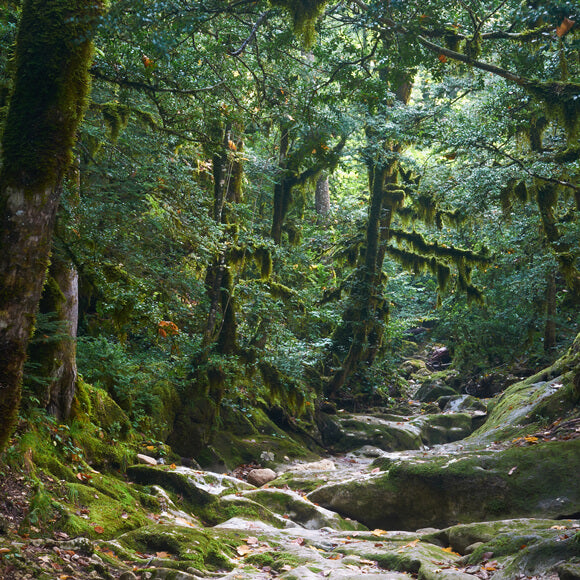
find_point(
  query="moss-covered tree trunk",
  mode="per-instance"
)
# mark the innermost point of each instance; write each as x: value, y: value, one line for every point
x: 282, y: 190
x: 55, y: 357
x: 359, y: 337
x: 51, y: 87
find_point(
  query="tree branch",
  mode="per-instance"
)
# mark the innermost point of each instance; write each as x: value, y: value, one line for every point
x: 239, y: 51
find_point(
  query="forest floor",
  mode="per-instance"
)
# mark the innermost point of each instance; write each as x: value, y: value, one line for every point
x: 454, y: 494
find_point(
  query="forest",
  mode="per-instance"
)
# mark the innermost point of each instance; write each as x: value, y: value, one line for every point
x: 245, y: 235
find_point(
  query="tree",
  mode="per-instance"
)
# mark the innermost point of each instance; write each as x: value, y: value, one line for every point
x: 51, y: 86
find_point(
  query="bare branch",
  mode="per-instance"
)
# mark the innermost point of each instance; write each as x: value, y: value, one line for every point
x: 239, y: 51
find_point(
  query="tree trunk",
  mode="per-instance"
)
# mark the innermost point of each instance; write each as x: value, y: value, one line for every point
x: 322, y: 196
x: 359, y: 336
x: 550, y: 326
x: 51, y: 86
x: 55, y: 357
x: 282, y: 191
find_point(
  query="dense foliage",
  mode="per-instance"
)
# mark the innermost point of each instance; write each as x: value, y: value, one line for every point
x: 208, y: 280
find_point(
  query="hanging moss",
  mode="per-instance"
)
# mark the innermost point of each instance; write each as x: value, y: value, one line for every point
x: 562, y: 100
x: 42, y: 121
x: 473, y: 46
x: 420, y: 245
x: 263, y: 258
x: 294, y: 234
x: 407, y: 215
x: 237, y: 255
x: 451, y: 39
x: 521, y: 191
x: 426, y: 208
x: 281, y: 388
x: 443, y: 275
x: 281, y: 291
x: 116, y: 116
x: 394, y: 196
x: 304, y: 14
x: 505, y: 197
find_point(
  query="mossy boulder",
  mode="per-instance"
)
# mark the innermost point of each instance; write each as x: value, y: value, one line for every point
x: 463, y: 486
x: 396, y: 433
x: 350, y: 432
x: 182, y: 547
x: 197, y: 488
x: 296, y: 508
x: 443, y: 427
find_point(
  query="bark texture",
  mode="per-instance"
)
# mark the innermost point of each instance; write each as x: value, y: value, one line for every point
x: 51, y: 87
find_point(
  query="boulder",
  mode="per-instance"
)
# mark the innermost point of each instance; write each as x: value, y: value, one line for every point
x: 260, y: 477
x: 199, y: 488
x: 439, y: 490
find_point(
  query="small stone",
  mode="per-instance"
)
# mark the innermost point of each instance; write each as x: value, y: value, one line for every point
x: 145, y: 459
x: 259, y: 477
x: 472, y: 547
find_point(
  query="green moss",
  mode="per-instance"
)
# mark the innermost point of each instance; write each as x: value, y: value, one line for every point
x: 51, y: 87
x: 116, y: 116
x: 304, y: 14
x: 186, y: 544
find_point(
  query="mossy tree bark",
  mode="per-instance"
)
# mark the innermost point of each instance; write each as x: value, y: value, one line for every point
x: 291, y: 175
x: 51, y: 87
x: 359, y: 337
x: 55, y: 357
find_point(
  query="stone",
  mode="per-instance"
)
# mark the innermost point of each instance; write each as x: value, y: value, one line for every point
x: 145, y: 459
x: 127, y: 576
x: 260, y: 477
x: 322, y: 465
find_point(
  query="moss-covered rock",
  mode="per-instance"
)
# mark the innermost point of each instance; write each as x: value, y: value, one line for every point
x: 298, y: 509
x: 187, y: 546
x: 433, y: 490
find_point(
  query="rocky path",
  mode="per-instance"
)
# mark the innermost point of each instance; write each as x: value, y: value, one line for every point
x: 427, y: 493
x: 402, y: 499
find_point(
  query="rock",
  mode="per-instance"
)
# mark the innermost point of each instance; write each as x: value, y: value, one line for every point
x: 431, y: 391
x: 431, y: 489
x: 145, y: 459
x: 260, y: 477
x: 127, y: 576
x: 290, y: 505
x: 322, y: 465
x: 199, y: 488
x: 568, y: 571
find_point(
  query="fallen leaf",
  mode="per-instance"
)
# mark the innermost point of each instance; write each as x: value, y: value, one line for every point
x: 558, y: 528
x: 299, y: 541
x: 413, y: 543
x: 512, y: 470
x: 99, y: 529
x: 442, y: 58
x: 243, y: 550
x: 530, y: 439
x: 376, y: 470
x: 251, y: 540
x: 450, y: 550
x: 163, y: 554
x: 378, y: 532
